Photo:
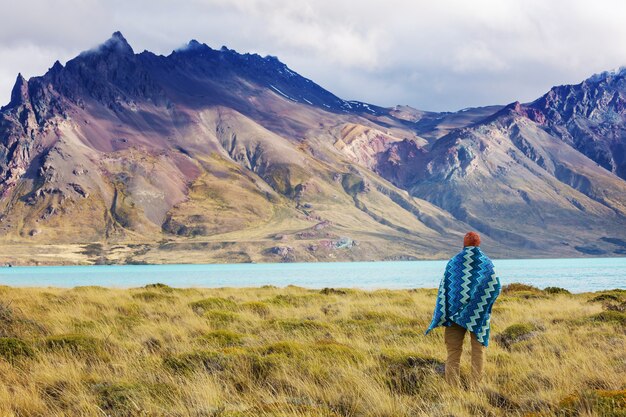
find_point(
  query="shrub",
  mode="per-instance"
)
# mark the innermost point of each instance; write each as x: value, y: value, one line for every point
x: 12, y: 348
x: 160, y: 287
x: 621, y: 307
x: 407, y: 373
x: 610, y: 316
x: 201, y: 306
x: 515, y: 287
x: 605, y: 297
x: 516, y: 333
x: 529, y: 295
x: 329, y: 291
x: 556, y: 290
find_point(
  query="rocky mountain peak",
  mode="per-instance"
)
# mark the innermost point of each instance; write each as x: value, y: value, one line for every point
x: 117, y: 43
x: 194, y: 44
x: 608, y: 75
x: 19, y: 94
x: 56, y: 67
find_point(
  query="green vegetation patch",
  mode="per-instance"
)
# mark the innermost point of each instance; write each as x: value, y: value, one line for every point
x: 386, y: 317
x: 119, y: 397
x: 12, y: 348
x: 151, y: 296
x: 201, y: 360
x: 352, y: 183
x: 212, y: 303
x: 351, y: 326
x: 299, y: 325
x: 610, y: 317
x: 75, y: 343
x: 336, y: 351
x: 12, y: 324
x: 259, y: 308
x: 88, y: 288
x: 240, y: 364
x: 222, y: 338
x: 555, y: 290
x: 83, y: 325
x: 290, y: 300
x: 221, y: 317
x: 287, y: 348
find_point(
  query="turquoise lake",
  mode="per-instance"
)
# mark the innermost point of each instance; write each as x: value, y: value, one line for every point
x: 576, y: 275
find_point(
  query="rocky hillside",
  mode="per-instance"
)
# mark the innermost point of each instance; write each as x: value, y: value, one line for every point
x: 214, y: 156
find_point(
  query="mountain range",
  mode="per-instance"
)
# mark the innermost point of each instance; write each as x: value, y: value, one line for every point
x: 209, y: 155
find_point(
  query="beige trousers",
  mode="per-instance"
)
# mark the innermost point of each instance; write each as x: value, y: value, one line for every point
x: 453, y: 337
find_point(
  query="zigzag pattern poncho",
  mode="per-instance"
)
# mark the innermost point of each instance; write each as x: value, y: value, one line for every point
x: 467, y: 292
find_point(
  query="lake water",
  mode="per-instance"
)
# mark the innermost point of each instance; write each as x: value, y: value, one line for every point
x: 576, y: 275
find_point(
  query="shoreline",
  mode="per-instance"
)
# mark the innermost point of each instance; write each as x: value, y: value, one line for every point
x: 578, y: 276
x: 326, y: 261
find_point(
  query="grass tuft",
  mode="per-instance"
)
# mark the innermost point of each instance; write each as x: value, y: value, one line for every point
x: 12, y: 348
x: 211, y: 303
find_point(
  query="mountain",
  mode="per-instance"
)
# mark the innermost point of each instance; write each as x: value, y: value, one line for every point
x: 210, y: 155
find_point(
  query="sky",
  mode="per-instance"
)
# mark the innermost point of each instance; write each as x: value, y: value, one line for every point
x: 441, y: 55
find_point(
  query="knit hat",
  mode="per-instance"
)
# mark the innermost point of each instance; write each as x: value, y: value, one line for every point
x: 471, y: 239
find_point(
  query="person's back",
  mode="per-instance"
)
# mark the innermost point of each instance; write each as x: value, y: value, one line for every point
x: 466, y: 295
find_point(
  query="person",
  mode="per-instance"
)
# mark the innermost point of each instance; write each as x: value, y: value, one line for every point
x: 466, y: 295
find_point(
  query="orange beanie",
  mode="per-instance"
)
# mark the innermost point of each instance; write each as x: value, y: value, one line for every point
x: 471, y: 239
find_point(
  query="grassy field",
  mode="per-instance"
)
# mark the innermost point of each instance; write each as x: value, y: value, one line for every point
x: 160, y: 351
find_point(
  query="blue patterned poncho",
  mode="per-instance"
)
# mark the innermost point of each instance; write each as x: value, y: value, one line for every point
x: 467, y: 292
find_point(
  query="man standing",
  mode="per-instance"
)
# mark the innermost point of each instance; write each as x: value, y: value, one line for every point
x: 466, y: 294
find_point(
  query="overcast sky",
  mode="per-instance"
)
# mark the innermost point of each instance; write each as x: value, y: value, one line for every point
x: 433, y: 55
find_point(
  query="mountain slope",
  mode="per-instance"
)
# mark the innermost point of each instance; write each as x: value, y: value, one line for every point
x: 210, y: 156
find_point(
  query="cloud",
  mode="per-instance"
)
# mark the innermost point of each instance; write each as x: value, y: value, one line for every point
x: 442, y: 55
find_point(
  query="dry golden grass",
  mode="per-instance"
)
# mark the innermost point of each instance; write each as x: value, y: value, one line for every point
x: 160, y: 351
